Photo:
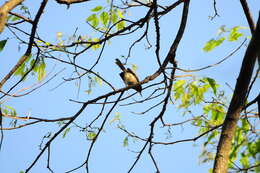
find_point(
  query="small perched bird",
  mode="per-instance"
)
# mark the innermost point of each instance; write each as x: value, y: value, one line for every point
x: 128, y: 76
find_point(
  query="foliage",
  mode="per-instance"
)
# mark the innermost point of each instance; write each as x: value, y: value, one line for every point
x: 202, y: 100
x: 231, y: 35
x: 2, y: 44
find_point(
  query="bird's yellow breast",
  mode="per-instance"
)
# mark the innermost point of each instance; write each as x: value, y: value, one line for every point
x: 130, y: 79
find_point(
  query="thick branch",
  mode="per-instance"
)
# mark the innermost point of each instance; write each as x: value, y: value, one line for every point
x: 237, y: 103
x: 248, y: 15
x: 68, y: 2
x: 29, y: 48
x: 5, y: 9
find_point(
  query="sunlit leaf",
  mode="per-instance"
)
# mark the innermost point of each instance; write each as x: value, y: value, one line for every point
x: 20, y: 70
x: 59, y: 35
x: 104, y: 17
x: 96, y: 46
x: 213, y: 43
x: 244, y: 161
x: 93, y: 19
x: 212, y: 84
x: 98, y: 80
x: 41, y: 70
x: 134, y: 67
x: 125, y: 143
x: 91, y: 135
x: 117, y: 117
x: 15, y: 18
x: 114, y: 17
x: 67, y: 130
x: 97, y: 8
x: 178, y: 88
x: 120, y: 14
x: 120, y: 25
x: 234, y: 34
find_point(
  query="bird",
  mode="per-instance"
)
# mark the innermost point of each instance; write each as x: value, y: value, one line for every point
x: 128, y: 76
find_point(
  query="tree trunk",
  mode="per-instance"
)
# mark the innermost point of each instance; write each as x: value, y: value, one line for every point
x: 237, y: 103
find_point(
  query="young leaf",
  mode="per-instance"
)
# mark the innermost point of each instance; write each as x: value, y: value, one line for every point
x: 2, y: 44
x: 98, y: 80
x: 91, y: 135
x: 120, y: 25
x: 104, y: 17
x: 41, y: 70
x: 15, y: 18
x: 125, y: 143
x: 65, y: 132
x: 212, y: 84
x: 114, y: 17
x: 211, y: 44
x: 234, y: 34
x: 120, y: 14
x: 20, y: 70
x: 93, y: 19
x: 97, y: 8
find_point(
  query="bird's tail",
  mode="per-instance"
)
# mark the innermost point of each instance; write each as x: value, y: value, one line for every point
x: 120, y: 65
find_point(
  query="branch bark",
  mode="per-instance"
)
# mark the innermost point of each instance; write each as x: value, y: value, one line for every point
x: 30, y: 45
x: 237, y: 103
x: 68, y: 2
x: 248, y: 15
x: 5, y: 9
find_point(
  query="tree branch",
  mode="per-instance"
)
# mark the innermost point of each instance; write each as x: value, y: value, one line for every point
x: 248, y: 15
x: 68, y: 2
x: 30, y: 45
x: 5, y: 9
x: 237, y: 103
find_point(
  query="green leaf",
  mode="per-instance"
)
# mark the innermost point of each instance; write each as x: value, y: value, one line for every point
x: 212, y: 84
x: 120, y: 14
x: 32, y: 63
x: 91, y: 135
x: 178, y: 89
x: 96, y: 46
x: 93, y: 19
x: 15, y: 18
x: 11, y: 110
x: 98, y: 80
x: 2, y: 44
x: 20, y: 70
x: 125, y: 143
x: 234, y: 34
x: 116, y: 118
x: 41, y: 70
x: 104, y: 17
x: 114, y: 17
x: 134, y: 67
x: 211, y: 44
x: 97, y: 8
x: 179, y: 84
x: 65, y: 132
x: 21, y: 172
x: 245, y: 125
x: 120, y: 25
x: 244, y: 161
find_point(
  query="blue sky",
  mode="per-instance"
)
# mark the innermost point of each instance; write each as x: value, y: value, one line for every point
x: 21, y: 146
